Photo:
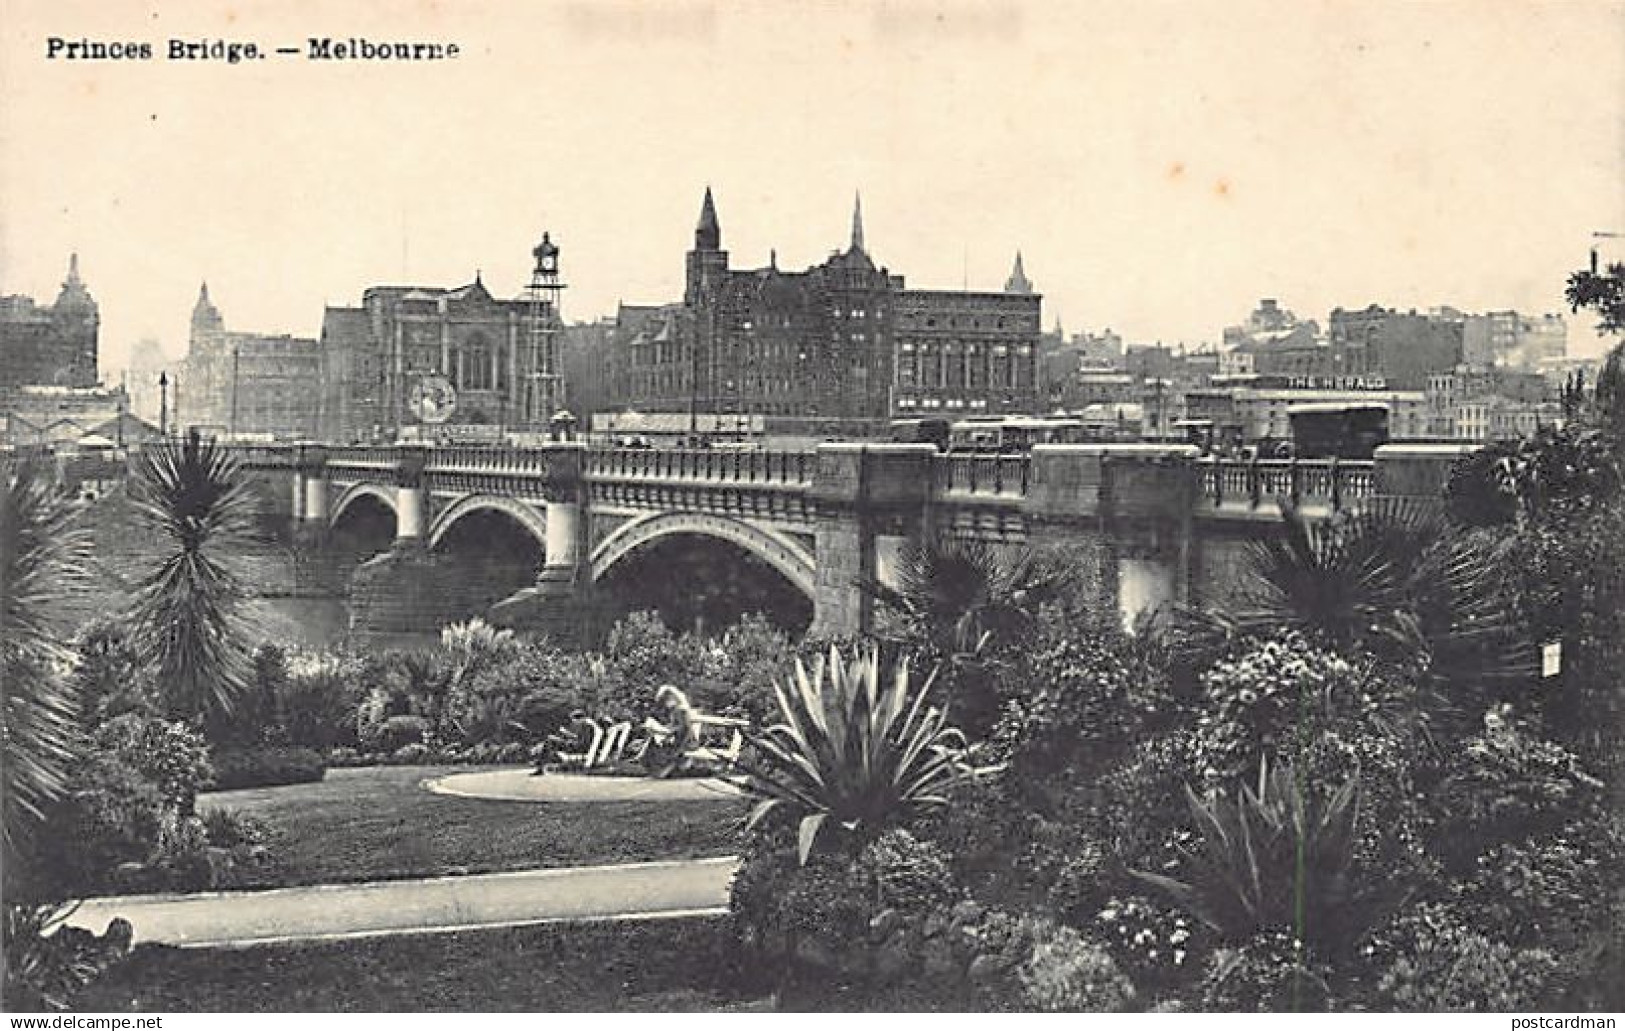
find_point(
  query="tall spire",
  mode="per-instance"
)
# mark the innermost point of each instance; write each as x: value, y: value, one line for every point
x: 708, y: 234
x: 1018, y: 283
x: 73, y: 269
x: 857, y: 221
x: 206, y: 317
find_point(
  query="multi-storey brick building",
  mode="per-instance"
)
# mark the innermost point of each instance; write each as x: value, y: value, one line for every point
x: 247, y: 383
x: 49, y: 346
x: 1404, y: 348
x: 834, y: 346
x: 1508, y: 338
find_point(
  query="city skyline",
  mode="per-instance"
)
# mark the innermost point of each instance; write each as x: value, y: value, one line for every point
x: 1454, y: 154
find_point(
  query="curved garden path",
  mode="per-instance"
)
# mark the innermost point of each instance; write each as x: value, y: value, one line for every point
x: 626, y: 891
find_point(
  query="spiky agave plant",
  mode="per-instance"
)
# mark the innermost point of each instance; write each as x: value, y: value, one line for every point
x: 43, y: 563
x: 852, y: 750
x: 188, y: 610
x: 1275, y: 856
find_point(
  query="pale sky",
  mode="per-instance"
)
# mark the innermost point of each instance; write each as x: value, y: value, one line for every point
x: 1160, y: 165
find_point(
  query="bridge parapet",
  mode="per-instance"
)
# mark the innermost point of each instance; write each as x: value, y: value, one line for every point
x: 789, y: 468
x: 1240, y: 488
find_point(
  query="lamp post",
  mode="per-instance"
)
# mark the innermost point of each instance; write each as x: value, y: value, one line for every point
x: 163, y: 404
x: 236, y: 356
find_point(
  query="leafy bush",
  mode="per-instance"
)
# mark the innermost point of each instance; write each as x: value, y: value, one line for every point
x: 171, y: 755
x: 109, y: 673
x: 1273, y: 971
x: 321, y: 695
x: 1557, y: 471
x: 1066, y: 973
x: 1445, y: 966
x: 906, y: 873
x: 396, y: 732
x: 1504, y: 785
x: 1158, y: 946
x: 1549, y: 890
x: 267, y: 767
x: 110, y: 818
x: 1277, y: 692
x: 231, y: 828
x: 47, y: 963
x: 1082, y: 702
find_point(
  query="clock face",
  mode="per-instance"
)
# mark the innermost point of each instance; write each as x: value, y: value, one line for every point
x: 433, y: 399
x: 550, y: 263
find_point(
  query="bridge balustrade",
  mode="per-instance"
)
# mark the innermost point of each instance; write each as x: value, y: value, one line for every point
x: 792, y: 468
x: 982, y: 475
x: 362, y: 457
x: 1250, y: 484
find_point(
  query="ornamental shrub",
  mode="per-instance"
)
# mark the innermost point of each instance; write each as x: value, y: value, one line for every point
x: 1551, y: 890
x: 1081, y: 702
x: 267, y: 766
x: 906, y: 873
x: 1273, y: 972
x: 171, y: 755
x: 1157, y: 945
x: 1446, y: 966
x: 1507, y: 784
x: 1282, y: 690
x: 111, y: 817
x: 1067, y: 973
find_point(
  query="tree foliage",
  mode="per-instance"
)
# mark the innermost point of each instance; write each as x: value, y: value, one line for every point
x: 188, y: 610
x: 43, y: 563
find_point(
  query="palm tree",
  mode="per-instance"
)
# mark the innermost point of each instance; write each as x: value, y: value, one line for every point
x: 1392, y: 579
x: 961, y: 596
x: 43, y: 563
x: 188, y: 608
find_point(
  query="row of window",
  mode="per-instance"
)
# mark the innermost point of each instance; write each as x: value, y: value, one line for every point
x: 974, y: 404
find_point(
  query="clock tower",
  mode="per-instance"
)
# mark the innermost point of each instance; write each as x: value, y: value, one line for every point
x: 543, y: 393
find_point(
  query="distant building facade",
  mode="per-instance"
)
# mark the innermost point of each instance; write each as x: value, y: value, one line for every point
x: 1404, y: 348
x: 497, y: 354
x: 839, y: 343
x: 247, y: 383
x: 1507, y: 338
x: 54, y: 416
x: 50, y: 346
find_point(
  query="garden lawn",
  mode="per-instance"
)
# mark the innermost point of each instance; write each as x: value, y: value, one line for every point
x: 656, y: 966
x: 379, y: 823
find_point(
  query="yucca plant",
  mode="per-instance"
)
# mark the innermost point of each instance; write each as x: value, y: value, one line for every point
x: 1274, y: 856
x: 43, y: 564
x: 188, y: 610
x: 854, y: 751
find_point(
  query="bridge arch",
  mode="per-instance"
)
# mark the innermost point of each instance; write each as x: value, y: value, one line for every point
x: 793, y: 561
x: 357, y: 491
x: 527, y: 516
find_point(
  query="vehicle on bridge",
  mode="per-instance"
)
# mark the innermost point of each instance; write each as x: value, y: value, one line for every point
x: 920, y: 431
x: 1338, y: 430
x: 1014, y: 433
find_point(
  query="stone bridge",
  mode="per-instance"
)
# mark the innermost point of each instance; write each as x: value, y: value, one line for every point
x: 1155, y: 523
